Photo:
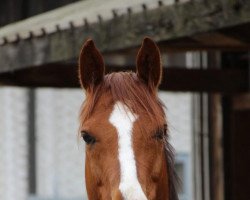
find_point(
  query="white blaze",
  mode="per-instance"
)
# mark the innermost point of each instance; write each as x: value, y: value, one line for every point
x: 122, y: 119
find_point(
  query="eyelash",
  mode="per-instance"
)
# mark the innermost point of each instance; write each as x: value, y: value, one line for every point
x: 88, y: 138
x: 160, y: 133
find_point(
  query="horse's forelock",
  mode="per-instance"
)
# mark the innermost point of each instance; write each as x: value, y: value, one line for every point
x: 129, y: 90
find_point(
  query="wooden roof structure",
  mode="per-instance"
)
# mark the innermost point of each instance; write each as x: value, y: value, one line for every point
x: 33, y: 51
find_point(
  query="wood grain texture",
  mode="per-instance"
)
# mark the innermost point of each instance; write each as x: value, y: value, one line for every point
x: 182, y: 26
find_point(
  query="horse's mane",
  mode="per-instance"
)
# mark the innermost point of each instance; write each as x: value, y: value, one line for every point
x: 129, y: 90
x: 173, y: 178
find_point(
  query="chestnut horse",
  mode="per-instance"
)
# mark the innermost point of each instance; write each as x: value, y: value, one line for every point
x: 123, y: 124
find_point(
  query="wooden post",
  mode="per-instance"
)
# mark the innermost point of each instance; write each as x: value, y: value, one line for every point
x: 32, y: 142
x: 216, y: 148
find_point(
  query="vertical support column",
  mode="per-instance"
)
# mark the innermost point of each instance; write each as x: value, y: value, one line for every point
x: 249, y: 72
x: 204, y: 135
x: 31, y: 141
x: 240, y: 143
x: 216, y: 147
x: 216, y: 136
x: 201, y: 137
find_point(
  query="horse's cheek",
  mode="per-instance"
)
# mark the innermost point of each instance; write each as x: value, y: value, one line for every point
x: 93, y: 160
x: 150, y: 167
x: 91, y: 182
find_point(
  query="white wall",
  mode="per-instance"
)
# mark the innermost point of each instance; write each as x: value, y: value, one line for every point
x: 60, y: 158
x: 13, y: 144
x: 179, y: 117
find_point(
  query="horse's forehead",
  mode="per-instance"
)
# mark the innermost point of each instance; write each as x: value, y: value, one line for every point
x: 121, y: 116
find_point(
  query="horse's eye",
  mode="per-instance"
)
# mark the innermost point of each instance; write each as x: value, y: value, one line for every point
x: 89, y: 139
x: 159, y: 135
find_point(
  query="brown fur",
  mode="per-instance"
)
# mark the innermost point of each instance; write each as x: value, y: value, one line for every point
x: 154, y: 157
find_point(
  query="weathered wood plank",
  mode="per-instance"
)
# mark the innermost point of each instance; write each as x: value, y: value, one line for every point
x: 125, y: 31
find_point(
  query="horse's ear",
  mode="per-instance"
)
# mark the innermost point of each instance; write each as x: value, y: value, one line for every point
x: 91, y: 65
x: 148, y: 64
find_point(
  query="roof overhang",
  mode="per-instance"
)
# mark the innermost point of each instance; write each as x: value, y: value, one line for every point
x: 118, y: 28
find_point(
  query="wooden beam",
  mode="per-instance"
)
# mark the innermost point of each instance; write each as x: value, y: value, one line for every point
x: 178, y: 22
x: 175, y: 79
x: 241, y: 102
x: 209, y: 80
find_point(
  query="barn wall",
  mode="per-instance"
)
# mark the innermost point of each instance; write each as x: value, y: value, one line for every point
x: 60, y: 156
x: 13, y: 144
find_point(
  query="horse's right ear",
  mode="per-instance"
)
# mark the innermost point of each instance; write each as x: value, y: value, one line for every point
x: 91, y: 65
x: 148, y: 64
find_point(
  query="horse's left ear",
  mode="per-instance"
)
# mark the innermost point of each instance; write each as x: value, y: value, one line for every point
x: 91, y: 65
x: 148, y: 64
